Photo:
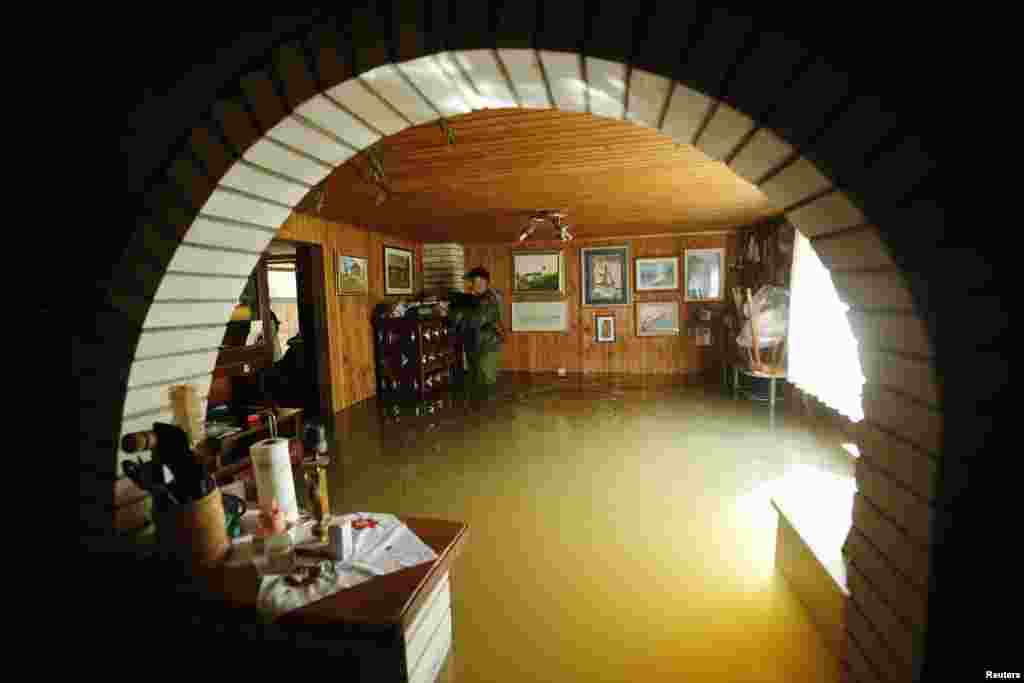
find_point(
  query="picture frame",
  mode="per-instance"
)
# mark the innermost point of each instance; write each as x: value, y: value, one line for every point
x: 399, y: 271
x: 604, y: 328
x: 352, y: 275
x: 540, y: 316
x: 704, y: 276
x: 538, y: 274
x: 657, y: 318
x: 605, y: 276
x: 656, y: 273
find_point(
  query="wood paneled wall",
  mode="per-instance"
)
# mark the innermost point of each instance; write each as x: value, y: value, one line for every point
x: 350, y: 336
x: 576, y: 350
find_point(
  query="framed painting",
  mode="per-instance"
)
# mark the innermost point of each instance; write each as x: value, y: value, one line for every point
x: 540, y: 316
x: 657, y: 318
x: 353, y: 275
x: 705, y: 271
x: 657, y: 273
x: 604, y: 328
x: 538, y: 274
x: 398, y: 271
x: 605, y: 276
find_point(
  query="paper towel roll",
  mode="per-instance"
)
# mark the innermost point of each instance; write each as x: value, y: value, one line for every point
x: 272, y: 464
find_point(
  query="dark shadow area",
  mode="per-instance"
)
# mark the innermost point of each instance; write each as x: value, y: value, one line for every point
x: 894, y: 70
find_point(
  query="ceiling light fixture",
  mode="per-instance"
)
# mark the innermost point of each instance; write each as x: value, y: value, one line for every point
x: 548, y: 216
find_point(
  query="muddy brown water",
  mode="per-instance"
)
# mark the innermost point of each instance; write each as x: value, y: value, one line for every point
x: 620, y: 528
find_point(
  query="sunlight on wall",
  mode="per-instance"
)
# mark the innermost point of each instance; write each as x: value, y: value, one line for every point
x: 818, y: 502
x: 823, y: 359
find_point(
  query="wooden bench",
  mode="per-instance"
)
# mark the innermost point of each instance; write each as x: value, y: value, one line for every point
x: 814, y: 520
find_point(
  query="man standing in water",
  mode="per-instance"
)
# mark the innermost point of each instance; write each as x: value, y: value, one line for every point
x: 476, y: 316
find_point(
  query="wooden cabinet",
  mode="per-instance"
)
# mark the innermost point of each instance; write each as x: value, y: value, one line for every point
x: 415, y: 358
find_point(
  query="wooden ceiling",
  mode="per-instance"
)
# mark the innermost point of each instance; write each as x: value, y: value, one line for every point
x: 614, y: 178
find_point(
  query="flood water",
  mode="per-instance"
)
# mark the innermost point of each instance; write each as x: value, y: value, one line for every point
x: 620, y: 529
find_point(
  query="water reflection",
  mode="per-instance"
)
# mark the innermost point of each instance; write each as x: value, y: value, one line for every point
x: 619, y: 516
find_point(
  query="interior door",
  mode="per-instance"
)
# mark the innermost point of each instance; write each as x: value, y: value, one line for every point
x: 312, y: 303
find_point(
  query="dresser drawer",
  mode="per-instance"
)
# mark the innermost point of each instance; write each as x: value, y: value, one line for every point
x: 429, y: 635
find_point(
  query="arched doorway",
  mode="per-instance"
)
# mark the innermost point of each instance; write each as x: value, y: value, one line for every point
x: 291, y: 80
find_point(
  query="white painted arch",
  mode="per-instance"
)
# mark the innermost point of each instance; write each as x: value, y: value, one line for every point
x: 196, y: 295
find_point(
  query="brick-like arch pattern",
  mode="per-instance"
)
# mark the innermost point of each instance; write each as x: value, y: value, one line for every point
x: 310, y: 107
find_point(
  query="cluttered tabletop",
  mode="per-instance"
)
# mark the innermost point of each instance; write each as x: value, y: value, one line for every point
x: 244, y: 536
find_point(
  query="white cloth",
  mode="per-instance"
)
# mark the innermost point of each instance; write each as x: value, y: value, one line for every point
x: 823, y: 359
x: 381, y: 544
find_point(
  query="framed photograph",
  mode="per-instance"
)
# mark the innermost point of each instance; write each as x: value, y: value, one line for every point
x: 398, y: 271
x: 540, y: 316
x: 657, y: 273
x: 605, y: 275
x: 538, y: 274
x: 657, y: 318
x: 353, y: 275
x: 705, y: 272
x: 604, y: 328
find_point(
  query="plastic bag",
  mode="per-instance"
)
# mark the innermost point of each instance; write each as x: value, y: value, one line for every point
x: 772, y: 304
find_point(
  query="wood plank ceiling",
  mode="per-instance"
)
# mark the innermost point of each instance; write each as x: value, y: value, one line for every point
x: 614, y: 178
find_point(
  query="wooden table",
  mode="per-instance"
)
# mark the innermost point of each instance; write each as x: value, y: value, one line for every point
x: 397, y: 626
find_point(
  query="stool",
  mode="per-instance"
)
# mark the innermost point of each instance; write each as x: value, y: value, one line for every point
x: 772, y: 379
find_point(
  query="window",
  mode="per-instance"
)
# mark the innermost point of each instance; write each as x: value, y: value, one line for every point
x: 823, y: 359
x: 284, y: 303
x: 246, y: 322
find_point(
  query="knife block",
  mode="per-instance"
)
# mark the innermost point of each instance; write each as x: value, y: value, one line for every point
x: 195, y: 532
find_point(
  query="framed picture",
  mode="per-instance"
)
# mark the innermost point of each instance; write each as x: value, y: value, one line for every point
x: 353, y: 275
x: 398, y: 271
x: 540, y: 316
x: 604, y: 328
x: 605, y: 277
x: 538, y: 274
x: 705, y: 270
x: 657, y: 318
x: 657, y: 273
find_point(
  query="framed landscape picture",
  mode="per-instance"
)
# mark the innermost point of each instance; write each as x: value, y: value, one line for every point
x: 353, y: 275
x: 605, y: 275
x: 540, y: 316
x: 657, y: 273
x: 657, y: 318
x: 604, y: 328
x: 539, y: 274
x: 398, y: 271
x: 705, y: 271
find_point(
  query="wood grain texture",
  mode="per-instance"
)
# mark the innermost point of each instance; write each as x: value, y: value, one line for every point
x: 897, y: 634
x: 906, y: 600
x: 576, y: 350
x: 860, y: 248
x: 350, y: 335
x: 880, y: 657
x: 901, y: 460
x: 895, y: 500
x: 912, y: 376
x: 892, y: 542
x: 903, y: 416
x: 613, y: 177
x: 885, y: 331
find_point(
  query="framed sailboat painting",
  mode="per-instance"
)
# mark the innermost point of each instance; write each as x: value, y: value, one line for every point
x: 605, y: 273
